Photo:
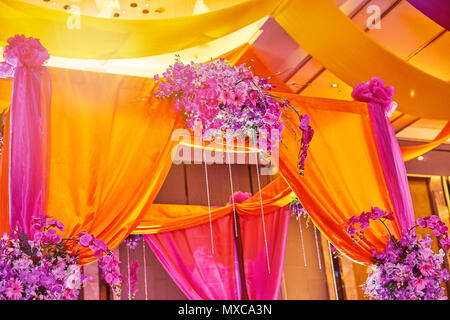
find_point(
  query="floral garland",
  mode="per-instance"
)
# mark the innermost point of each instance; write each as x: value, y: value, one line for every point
x: 230, y: 100
x: 46, y: 267
x: 408, y: 268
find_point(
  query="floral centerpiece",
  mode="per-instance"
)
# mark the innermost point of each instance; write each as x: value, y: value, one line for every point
x: 46, y: 267
x: 231, y: 102
x: 408, y: 268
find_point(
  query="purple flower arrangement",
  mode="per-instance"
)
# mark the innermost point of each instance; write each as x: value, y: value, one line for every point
x: 230, y: 101
x: 132, y: 241
x: 46, y: 267
x: 408, y: 268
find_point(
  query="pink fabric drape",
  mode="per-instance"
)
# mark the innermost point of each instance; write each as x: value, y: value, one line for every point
x: 29, y: 127
x: 260, y: 284
x: 394, y: 170
x: 380, y: 103
x: 187, y: 257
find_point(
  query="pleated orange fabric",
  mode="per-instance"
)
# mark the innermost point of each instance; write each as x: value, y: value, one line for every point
x: 110, y: 152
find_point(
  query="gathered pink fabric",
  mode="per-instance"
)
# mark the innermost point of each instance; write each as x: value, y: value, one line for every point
x: 187, y: 256
x: 381, y: 106
x: 260, y: 283
x: 29, y: 129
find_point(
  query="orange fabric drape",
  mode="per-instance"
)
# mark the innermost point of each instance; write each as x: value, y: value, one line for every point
x: 110, y: 152
x: 411, y: 152
x: 343, y: 174
x: 170, y: 217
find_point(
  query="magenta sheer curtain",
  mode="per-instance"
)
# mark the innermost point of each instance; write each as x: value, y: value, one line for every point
x: 260, y: 284
x: 393, y: 167
x: 187, y: 257
x: 29, y: 129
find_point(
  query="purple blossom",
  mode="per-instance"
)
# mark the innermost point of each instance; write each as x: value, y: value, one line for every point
x: 408, y: 268
x: 229, y: 99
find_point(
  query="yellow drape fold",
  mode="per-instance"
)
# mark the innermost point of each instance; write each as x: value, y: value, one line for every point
x: 326, y: 33
x: 411, y: 152
x: 103, y: 38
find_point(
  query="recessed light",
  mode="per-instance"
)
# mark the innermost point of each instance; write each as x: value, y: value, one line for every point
x: 334, y: 85
x: 420, y: 158
x: 412, y: 93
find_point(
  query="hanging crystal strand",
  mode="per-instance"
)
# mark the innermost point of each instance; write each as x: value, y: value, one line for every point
x: 128, y: 267
x: 332, y: 269
x: 232, y: 194
x: 262, y: 215
x: 301, y: 238
x: 207, y: 193
x: 317, y: 247
x: 145, y: 270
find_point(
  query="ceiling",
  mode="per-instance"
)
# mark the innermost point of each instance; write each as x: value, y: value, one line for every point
x: 403, y: 30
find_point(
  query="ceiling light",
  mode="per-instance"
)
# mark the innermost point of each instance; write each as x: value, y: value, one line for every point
x: 334, y: 85
x: 412, y: 93
x: 420, y: 158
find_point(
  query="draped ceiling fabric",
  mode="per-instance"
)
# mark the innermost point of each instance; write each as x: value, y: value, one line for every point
x: 347, y: 51
x: 104, y: 38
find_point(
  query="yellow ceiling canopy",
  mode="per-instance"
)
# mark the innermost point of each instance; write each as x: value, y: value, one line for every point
x: 109, y: 38
x: 352, y: 55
